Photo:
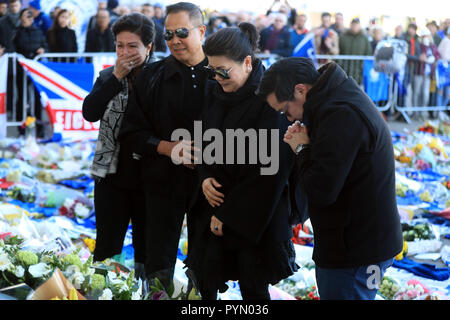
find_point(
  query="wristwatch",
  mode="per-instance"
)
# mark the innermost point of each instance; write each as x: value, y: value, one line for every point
x: 300, y: 147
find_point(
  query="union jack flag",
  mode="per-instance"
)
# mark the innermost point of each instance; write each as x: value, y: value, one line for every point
x: 63, y: 87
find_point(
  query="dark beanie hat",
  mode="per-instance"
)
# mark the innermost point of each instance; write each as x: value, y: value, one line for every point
x: 112, y: 4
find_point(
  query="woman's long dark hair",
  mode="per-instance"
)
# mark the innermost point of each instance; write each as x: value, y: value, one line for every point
x: 233, y: 43
x: 51, y: 33
x: 138, y: 24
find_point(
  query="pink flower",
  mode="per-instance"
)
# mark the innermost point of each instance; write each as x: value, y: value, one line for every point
x: 415, y: 282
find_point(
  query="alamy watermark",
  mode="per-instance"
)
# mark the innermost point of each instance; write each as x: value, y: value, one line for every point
x: 235, y: 142
x: 374, y: 280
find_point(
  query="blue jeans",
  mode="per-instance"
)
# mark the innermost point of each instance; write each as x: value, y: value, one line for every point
x: 359, y: 283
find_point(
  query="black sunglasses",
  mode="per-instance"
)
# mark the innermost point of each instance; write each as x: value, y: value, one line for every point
x: 182, y: 33
x: 223, y: 73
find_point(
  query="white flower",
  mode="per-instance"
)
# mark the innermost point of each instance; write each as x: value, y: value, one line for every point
x: 124, y: 288
x: 70, y: 270
x: 5, y: 264
x: 20, y: 271
x: 81, y: 211
x: 112, y: 275
x: 89, y: 272
x: 39, y: 270
x: 68, y: 203
x: 136, y: 296
x: 106, y: 295
x: 77, y: 280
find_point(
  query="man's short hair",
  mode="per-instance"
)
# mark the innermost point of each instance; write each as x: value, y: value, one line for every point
x: 195, y: 14
x: 13, y: 1
x: 413, y: 26
x: 284, y: 75
x: 326, y: 14
x: 103, y: 9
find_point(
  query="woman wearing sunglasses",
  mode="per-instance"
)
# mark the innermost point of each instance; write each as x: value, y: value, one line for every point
x: 242, y: 229
x: 118, y: 195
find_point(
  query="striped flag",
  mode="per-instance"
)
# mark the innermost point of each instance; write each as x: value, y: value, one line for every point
x: 63, y: 87
x: 3, y: 84
x: 305, y: 48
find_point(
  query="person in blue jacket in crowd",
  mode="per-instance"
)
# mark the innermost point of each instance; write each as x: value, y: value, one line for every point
x: 41, y: 19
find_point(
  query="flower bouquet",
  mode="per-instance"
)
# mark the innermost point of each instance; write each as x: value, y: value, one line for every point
x: 388, y: 288
x: 412, y: 290
x: 57, y: 288
x: 74, y: 209
x: 21, y: 266
x: 299, y: 290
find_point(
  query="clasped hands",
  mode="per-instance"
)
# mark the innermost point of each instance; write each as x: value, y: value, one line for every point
x: 296, y: 134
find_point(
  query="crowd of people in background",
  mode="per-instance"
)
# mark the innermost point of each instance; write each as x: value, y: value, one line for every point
x: 31, y: 32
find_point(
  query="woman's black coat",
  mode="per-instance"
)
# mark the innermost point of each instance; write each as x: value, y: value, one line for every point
x: 62, y: 40
x: 256, y: 208
x: 28, y: 40
x: 106, y: 87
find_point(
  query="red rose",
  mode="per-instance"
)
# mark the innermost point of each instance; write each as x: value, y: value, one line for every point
x: 63, y: 211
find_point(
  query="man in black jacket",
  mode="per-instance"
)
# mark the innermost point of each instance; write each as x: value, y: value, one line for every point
x: 100, y: 38
x: 168, y: 96
x: 9, y: 24
x: 346, y: 167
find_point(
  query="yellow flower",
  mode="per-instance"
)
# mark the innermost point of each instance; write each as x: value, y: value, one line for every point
x: 90, y: 244
x: 402, y: 254
x: 29, y: 121
x: 73, y: 294
x: 418, y: 148
x: 426, y: 196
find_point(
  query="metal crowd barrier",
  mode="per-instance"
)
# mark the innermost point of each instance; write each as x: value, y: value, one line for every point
x: 349, y: 63
x: 11, y: 110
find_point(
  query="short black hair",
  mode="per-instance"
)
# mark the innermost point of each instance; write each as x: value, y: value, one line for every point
x: 24, y: 10
x: 326, y: 14
x: 233, y: 43
x: 138, y: 24
x: 195, y: 13
x: 284, y: 75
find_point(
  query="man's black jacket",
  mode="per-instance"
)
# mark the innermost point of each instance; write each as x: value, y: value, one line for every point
x: 348, y: 174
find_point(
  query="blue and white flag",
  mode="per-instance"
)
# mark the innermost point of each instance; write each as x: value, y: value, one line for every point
x: 376, y: 84
x: 442, y: 74
x: 306, y: 48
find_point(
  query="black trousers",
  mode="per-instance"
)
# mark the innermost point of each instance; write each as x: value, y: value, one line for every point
x: 164, y: 220
x: 114, y: 207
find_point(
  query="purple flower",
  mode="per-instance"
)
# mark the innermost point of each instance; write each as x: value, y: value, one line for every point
x: 159, y: 295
